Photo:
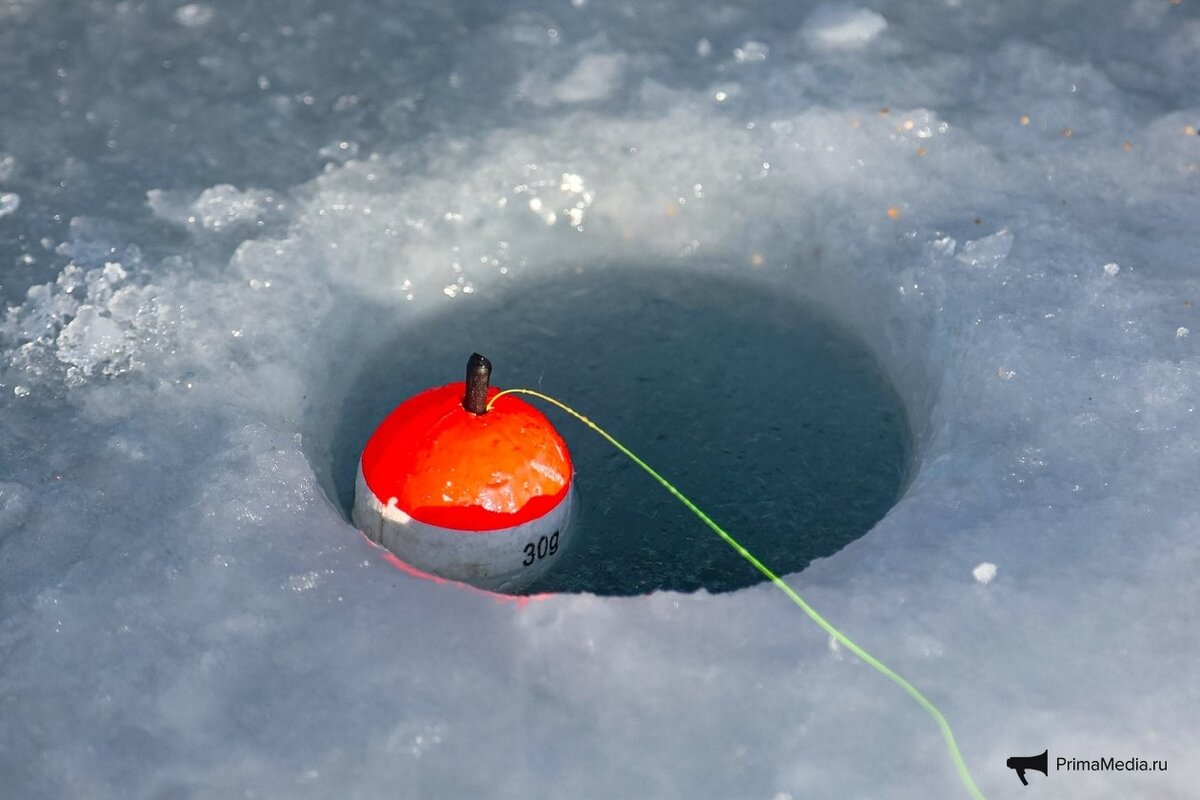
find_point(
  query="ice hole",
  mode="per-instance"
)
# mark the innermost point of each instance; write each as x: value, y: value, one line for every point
x: 754, y: 403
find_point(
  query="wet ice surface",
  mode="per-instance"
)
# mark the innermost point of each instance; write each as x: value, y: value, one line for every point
x: 209, y: 210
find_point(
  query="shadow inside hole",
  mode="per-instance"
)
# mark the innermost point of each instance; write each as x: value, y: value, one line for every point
x: 760, y: 409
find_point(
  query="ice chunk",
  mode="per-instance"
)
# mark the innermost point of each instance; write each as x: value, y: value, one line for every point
x: 988, y: 251
x: 219, y: 209
x: 751, y: 52
x: 843, y: 27
x: 984, y: 572
x: 9, y: 202
x: 595, y: 77
x: 90, y: 340
x: 43, y: 311
x: 194, y: 15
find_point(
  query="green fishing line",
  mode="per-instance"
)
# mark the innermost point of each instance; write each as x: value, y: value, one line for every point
x: 960, y: 764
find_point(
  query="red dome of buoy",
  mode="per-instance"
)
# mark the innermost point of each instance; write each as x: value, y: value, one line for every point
x: 462, y: 484
x: 446, y: 466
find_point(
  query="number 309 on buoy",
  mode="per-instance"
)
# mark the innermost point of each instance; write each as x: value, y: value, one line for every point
x: 465, y: 492
x: 546, y: 546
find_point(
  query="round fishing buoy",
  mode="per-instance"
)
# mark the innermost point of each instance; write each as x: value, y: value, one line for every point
x: 467, y: 492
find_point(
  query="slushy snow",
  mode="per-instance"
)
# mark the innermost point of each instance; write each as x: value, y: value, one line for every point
x: 210, y: 213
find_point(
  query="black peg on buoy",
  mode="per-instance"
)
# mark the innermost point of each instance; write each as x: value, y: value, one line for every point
x: 479, y: 373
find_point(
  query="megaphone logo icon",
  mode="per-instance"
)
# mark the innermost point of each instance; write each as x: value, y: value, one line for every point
x: 1022, y: 763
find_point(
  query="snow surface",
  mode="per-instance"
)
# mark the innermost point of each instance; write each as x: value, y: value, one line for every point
x: 208, y: 211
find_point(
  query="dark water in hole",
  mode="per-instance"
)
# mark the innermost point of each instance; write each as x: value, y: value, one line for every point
x: 765, y: 414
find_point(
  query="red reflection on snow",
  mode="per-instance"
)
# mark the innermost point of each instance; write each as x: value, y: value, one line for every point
x: 519, y: 600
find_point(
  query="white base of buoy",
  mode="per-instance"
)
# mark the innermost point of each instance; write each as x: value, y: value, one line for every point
x: 503, y: 560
